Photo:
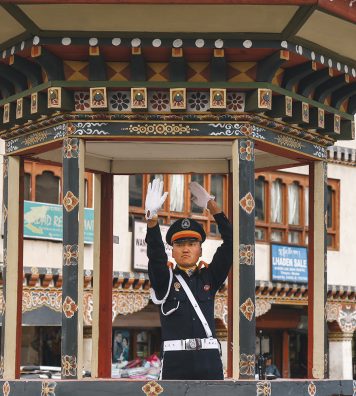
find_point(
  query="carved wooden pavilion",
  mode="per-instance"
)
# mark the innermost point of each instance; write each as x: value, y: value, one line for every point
x: 120, y: 87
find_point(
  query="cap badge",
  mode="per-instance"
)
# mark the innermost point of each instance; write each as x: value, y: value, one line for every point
x: 206, y: 287
x: 185, y: 224
x: 176, y: 286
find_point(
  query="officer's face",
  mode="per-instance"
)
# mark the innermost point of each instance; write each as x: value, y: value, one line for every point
x: 186, y: 253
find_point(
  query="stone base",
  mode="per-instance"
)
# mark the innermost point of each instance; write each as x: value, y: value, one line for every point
x: 91, y: 387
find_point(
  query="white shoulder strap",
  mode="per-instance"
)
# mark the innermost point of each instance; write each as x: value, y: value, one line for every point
x: 155, y: 300
x: 196, y: 307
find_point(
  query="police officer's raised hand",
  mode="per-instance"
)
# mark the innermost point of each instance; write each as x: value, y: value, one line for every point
x: 199, y: 195
x: 154, y: 198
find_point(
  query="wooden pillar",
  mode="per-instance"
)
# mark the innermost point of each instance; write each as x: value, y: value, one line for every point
x: 103, y: 271
x: 285, y: 355
x: 13, y: 172
x: 230, y: 288
x: 73, y: 257
x: 244, y: 320
x: 317, y: 275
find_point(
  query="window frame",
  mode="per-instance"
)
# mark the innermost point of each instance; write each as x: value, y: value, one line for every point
x: 303, y: 182
x: 166, y: 216
x: 35, y: 169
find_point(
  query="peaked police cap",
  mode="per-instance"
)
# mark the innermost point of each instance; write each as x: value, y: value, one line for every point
x: 185, y: 229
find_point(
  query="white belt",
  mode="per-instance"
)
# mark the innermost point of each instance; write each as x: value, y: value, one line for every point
x: 191, y: 344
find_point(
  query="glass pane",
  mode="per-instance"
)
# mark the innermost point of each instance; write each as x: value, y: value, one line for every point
x: 260, y: 198
x: 156, y: 176
x: 276, y: 236
x: 199, y: 179
x: 330, y: 207
x: 260, y: 234
x: 177, y: 193
x: 217, y: 189
x: 86, y: 193
x: 330, y: 240
x: 276, y: 202
x: 47, y: 188
x: 135, y: 190
x: 306, y: 205
x: 214, y: 229
x: 294, y: 237
x: 27, y: 187
x: 293, y: 203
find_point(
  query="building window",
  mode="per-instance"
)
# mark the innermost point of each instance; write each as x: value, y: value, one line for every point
x: 43, y: 183
x: 282, y: 209
x: 48, y: 188
x: 178, y: 203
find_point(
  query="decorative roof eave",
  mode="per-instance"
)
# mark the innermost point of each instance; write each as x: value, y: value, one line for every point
x: 47, y: 278
x: 299, y: 46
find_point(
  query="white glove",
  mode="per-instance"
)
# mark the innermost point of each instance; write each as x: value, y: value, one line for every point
x: 199, y: 195
x: 154, y: 198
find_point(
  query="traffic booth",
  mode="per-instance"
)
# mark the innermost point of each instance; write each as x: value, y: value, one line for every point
x: 119, y: 88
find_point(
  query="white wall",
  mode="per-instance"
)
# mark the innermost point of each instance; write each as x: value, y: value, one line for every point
x: 341, y: 263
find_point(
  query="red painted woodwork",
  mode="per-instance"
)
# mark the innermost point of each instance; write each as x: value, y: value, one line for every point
x: 285, y: 355
x: 106, y: 271
x: 20, y: 270
x: 262, y: 2
x: 279, y: 318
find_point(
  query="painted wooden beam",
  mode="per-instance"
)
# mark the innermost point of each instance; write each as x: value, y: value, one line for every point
x: 97, y: 65
x: 137, y: 65
x: 16, y: 78
x: 106, y: 270
x: 51, y: 64
x: 177, y: 66
x: 351, y: 107
x: 300, y: 114
x: 323, y: 90
x: 333, y: 125
x: 218, y: 66
x: 307, y: 84
x: 317, y: 118
x: 244, y: 319
x: 298, y: 20
x: 13, y: 267
x: 267, y: 68
x: 317, y: 275
x: 347, y: 130
x: 73, y: 258
x: 6, y: 88
x: 31, y: 70
x: 259, y: 100
x: 282, y: 107
x: 342, y: 94
x: 294, y: 74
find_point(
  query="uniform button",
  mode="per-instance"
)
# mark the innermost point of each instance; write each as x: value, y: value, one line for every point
x: 193, y: 318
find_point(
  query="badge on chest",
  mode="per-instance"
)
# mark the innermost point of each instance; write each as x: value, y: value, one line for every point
x: 177, y: 286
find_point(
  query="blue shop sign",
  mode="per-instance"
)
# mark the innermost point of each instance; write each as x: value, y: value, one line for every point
x: 289, y: 263
x: 45, y: 221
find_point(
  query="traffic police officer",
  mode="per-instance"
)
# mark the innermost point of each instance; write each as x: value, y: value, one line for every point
x: 186, y: 293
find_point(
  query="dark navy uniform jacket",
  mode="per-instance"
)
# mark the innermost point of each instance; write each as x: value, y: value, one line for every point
x: 204, y: 283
